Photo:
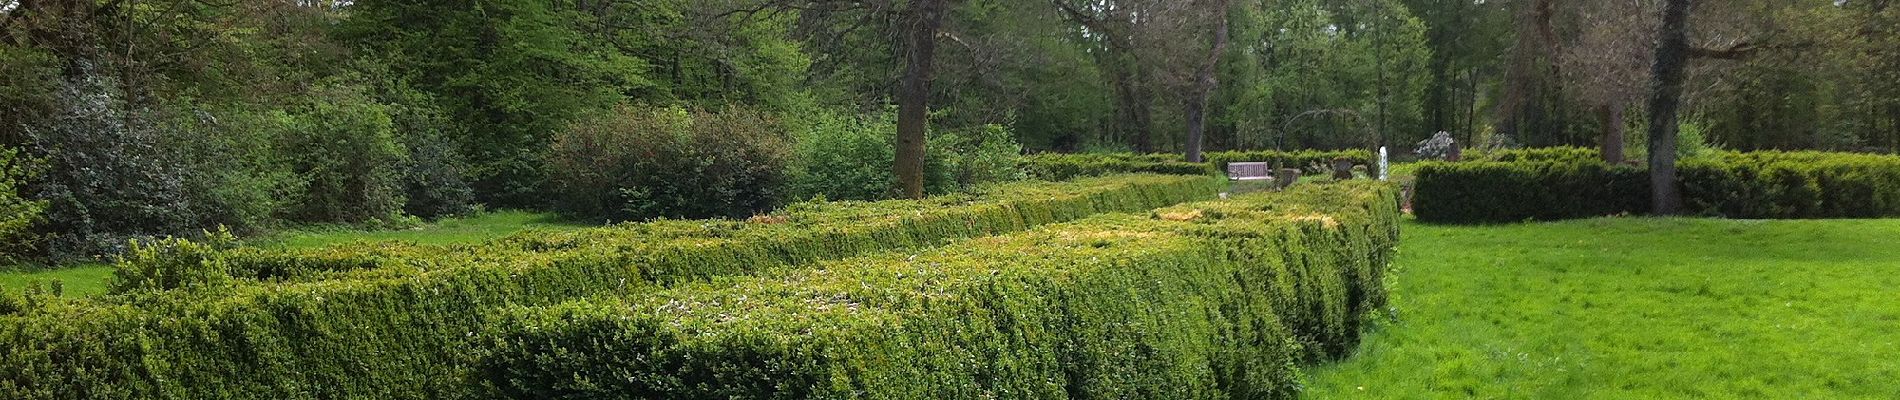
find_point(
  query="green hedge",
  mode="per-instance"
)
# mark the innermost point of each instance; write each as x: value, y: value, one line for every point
x: 1209, y: 300
x: 1541, y: 154
x: 1303, y: 159
x: 1067, y: 166
x: 1782, y: 185
x: 396, y: 330
x: 1497, y: 192
x: 1070, y: 166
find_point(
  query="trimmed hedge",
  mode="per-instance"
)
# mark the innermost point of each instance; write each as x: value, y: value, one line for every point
x: 1779, y: 185
x: 1070, y: 166
x: 1540, y: 154
x: 1208, y: 300
x: 1053, y: 166
x: 1499, y: 192
x: 397, y: 328
x: 1303, y: 159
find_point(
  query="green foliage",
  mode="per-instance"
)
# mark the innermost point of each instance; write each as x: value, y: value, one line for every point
x: 1793, y: 185
x: 1303, y: 159
x: 844, y: 158
x: 365, y: 332
x: 850, y: 157
x: 18, y: 214
x: 640, y: 164
x: 172, y: 264
x: 1567, y: 154
x: 1736, y: 185
x: 344, y: 147
x: 1502, y: 192
x: 1219, y: 302
x: 1069, y: 166
x: 1063, y: 166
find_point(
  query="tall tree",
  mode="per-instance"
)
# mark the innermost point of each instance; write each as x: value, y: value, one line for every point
x: 1205, y: 80
x: 925, y: 20
x: 1672, y: 59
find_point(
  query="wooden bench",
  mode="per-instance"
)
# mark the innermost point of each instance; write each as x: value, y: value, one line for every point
x: 1249, y: 171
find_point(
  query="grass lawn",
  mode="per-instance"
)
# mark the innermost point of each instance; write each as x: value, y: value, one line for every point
x: 1636, y: 309
x: 90, y: 279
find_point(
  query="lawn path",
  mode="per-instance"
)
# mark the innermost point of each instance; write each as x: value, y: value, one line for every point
x: 1637, y: 308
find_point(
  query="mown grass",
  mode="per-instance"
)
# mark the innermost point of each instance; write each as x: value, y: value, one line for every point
x: 1636, y: 308
x: 89, y: 279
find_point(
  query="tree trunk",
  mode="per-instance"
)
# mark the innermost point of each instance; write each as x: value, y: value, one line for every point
x: 1672, y: 57
x: 1205, y: 81
x: 913, y: 99
x: 1612, y: 115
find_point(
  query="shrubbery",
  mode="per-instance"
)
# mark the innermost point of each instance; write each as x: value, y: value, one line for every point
x: 645, y: 163
x: 1493, y: 192
x: 1066, y: 166
x: 850, y: 158
x: 1541, y: 154
x: 1070, y: 166
x: 1215, y: 300
x: 18, y: 214
x: 363, y: 323
x: 1727, y: 184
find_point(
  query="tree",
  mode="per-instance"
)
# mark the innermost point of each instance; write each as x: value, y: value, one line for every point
x: 925, y: 20
x: 1672, y: 58
x: 1205, y: 80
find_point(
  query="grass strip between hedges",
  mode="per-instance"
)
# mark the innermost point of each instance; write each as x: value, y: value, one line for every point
x: 1210, y: 300
x: 394, y: 331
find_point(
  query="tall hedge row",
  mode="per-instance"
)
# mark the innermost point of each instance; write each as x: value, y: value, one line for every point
x: 1780, y: 185
x: 1211, y: 300
x: 395, y: 328
x: 1067, y: 166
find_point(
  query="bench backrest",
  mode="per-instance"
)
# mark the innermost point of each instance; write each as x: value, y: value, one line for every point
x: 1241, y: 170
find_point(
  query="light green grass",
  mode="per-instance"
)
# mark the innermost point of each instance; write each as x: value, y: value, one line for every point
x: 1636, y: 309
x: 89, y: 279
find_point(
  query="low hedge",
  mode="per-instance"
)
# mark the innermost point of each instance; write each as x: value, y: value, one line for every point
x: 395, y: 330
x: 1497, y: 192
x: 1202, y: 301
x: 1779, y: 185
x: 1540, y: 154
x: 1303, y: 159
x: 1067, y: 166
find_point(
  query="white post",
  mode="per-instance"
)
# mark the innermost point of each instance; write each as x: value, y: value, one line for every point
x: 1383, y: 167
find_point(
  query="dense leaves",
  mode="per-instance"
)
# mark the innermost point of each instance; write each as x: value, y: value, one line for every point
x: 1568, y: 183
x: 361, y: 321
x: 638, y: 164
x: 1208, y: 300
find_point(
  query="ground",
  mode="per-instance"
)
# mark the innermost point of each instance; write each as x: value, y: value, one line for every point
x: 90, y: 279
x: 1636, y: 308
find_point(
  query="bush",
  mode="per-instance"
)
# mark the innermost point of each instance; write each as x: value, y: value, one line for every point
x: 344, y: 146
x: 640, y: 164
x: 1544, y: 154
x: 1304, y: 159
x: 1071, y: 166
x: 18, y: 214
x: 844, y: 158
x: 1494, y: 192
x: 363, y: 328
x: 1792, y: 185
x: 1217, y: 300
x: 850, y: 158
x: 1726, y: 184
x: 172, y: 264
x: 1065, y: 166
